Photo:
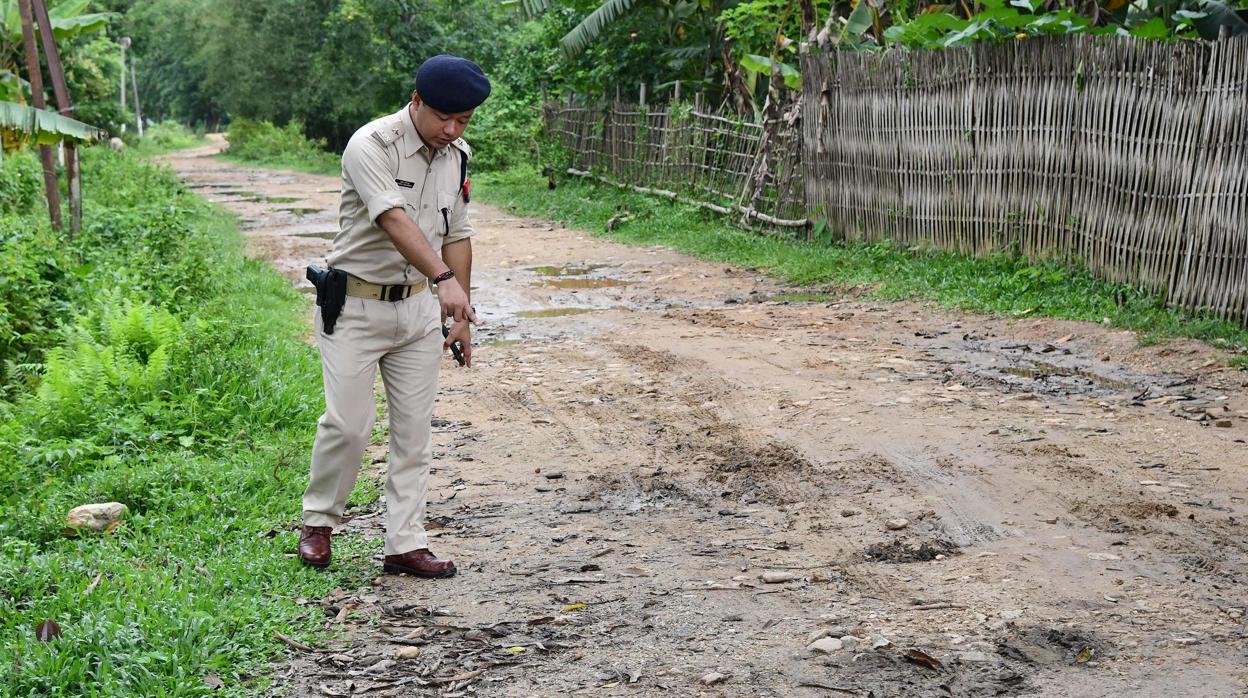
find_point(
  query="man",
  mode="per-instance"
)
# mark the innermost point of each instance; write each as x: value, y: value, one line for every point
x: 404, y: 200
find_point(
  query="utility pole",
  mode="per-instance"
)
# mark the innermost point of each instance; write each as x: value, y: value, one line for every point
x: 125, y: 44
x: 35, y: 72
x: 138, y: 112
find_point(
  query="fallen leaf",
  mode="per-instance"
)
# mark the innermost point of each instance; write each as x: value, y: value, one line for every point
x: 574, y: 607
x: 1084, y: 655
x: 517, y: 649
x: 47, y: 630
x: 923, y: 659
x: 213, y: 681
x: 94, y: 583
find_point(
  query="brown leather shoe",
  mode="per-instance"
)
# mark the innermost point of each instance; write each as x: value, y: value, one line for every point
x: 421, y: 563
x: 314, y: 548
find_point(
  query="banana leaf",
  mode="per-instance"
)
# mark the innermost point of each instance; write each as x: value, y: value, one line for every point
x: 46, y: 127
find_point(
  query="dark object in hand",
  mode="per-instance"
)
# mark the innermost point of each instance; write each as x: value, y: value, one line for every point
x: 457, y: 349
x: 331, y: 294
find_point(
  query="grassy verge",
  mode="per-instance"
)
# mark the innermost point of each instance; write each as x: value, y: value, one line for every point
x: 150, y: 363
x: 263, y: 144
x: 164, y: 137
x: 1000, y: 284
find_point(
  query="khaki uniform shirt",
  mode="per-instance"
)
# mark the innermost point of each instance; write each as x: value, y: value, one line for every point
x: 386, y: 165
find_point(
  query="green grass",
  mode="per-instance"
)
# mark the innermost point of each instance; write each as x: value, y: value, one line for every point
x: 207, y: 446
x: 1004, y: 285
x: 164, y: 137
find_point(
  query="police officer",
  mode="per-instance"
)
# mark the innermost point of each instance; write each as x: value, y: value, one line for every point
x: 403, y: 219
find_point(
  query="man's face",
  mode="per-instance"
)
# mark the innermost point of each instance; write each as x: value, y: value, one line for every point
x: 437, y: 128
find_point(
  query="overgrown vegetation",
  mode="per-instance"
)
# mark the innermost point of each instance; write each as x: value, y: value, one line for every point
x: 148, y: 362
x: 262, y: 143
x: 1006, y: 285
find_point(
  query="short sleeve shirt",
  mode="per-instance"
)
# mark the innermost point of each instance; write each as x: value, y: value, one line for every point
x: 386, y: 165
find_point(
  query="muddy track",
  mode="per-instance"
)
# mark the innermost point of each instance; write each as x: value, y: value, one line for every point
x: 645, y: 435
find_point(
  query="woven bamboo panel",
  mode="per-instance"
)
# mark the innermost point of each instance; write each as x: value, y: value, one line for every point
x: 686, y: 149
x: 1129, y: 157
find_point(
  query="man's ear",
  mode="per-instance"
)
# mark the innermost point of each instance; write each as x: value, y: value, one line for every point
x: 415, y: 98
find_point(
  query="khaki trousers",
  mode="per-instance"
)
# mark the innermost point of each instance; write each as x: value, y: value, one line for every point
x: 403, y: 340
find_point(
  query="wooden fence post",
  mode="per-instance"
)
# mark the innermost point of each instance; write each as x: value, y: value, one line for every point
x: 61, y: 89
x: 46, y: 157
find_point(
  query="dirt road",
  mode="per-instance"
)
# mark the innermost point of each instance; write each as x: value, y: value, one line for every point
x: 943, y: 504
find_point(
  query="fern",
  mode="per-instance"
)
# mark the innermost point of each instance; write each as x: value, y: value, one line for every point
x: 124, y: 361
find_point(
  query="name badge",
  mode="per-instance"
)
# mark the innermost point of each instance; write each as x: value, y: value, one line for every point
x: 404, y: 183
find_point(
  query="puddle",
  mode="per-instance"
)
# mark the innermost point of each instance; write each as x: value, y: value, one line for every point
x: 554, y: 312
x: 581, y: 283
x: 1043, y: 371
x: 581, y: 270
x: 325, y: 235
x: 301, y: 210
x: 261, y: 198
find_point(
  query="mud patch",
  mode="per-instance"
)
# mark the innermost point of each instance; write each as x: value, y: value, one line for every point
x: 1038, y: 645
x: 909, y: 551
x: 773, y: 472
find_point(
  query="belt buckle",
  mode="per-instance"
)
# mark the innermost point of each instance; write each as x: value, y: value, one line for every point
x: 394, y: 294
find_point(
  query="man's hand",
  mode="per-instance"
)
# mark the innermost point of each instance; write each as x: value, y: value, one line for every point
x: 461, y: 332
x: 455, y: 303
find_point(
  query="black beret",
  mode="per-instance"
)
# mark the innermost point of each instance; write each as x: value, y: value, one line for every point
x: 451, y: 84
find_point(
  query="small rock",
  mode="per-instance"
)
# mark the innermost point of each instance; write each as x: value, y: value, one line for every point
x: 1011, y: 614
x: 852, y: 644
x: 974, y: 657
x: 879, y: 641
x: 1185, y: 640
x: 1224, y: 423
x: 96, y: 517
x: 1103, y: 557
x: 379, y: 667
x: 544, y: 488
x: 817, y: 635
x: 826, y: 645
x: 849, y: 512
x: 554, y: 475
x: 896, y: 524
x: 408, y: 652
x: 713, y: 678
x: 776, y: 577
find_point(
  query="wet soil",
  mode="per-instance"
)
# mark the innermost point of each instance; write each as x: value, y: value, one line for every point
x: 626, y: 463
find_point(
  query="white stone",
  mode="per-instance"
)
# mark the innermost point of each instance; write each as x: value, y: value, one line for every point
x: 96, y: 517
x: 775, y: 577
x: 896, y: 524
x: 826, y: 645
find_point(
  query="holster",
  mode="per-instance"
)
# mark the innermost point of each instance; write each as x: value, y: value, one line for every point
x: 331, y: 294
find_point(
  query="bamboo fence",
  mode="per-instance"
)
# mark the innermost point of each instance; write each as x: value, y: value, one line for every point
x: 1128, y: 157
x: 687, y: 152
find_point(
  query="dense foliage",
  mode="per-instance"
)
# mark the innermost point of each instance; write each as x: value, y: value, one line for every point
x: 147, y: 362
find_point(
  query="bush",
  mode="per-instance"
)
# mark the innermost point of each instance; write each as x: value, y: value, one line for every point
x: 21, y: 183
x: 282, y: 146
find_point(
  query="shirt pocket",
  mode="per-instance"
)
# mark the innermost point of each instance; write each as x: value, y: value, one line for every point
x: 446, y: 212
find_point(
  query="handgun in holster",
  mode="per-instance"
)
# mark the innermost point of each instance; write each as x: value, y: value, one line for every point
x: 331, y: 294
